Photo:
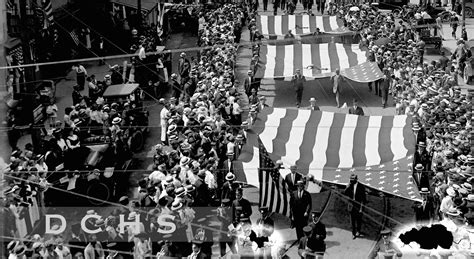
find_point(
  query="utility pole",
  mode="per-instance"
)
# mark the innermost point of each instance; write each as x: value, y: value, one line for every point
x: 139, y: 14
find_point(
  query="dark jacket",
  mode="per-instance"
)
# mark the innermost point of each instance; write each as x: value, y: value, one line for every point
x: 202, y: 193
x: 300, y: 206
x: 292, y: 185
x: 356, y: 199
x: 357, y: 111
x: 246, y: 209
x: 318, y: 235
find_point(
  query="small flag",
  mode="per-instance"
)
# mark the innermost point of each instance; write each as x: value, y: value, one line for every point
x: 74, y: 37
x: 48, y: 13
x: 274, y: 192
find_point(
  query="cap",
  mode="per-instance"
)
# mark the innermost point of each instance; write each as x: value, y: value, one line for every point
x: 307, y: 229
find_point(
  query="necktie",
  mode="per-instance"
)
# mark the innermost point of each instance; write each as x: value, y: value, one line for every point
x: 301, y: 194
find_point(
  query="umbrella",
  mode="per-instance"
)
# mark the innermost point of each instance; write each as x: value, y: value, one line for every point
x: 354, y: 9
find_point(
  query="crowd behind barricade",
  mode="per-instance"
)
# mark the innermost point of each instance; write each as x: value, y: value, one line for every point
x: 203, y: 131
x: 442, y: 114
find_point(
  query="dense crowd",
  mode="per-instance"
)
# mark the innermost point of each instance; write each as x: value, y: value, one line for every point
x: 203, y: 131
x: 442, y: 114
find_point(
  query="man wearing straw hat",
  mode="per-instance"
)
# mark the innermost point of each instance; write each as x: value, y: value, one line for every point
x: 421, y: 177
x: 424, y: 209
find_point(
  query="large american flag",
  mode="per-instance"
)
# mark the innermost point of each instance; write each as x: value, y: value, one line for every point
x: 274, y: 193
x: 330, y: 146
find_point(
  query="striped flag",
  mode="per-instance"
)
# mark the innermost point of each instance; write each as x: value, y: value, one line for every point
x: 281, y: 61
x: 74, y: 37
x: 278, y: 25
x: 325, y: 144
x: 274, y: 193
x: 48, y: 13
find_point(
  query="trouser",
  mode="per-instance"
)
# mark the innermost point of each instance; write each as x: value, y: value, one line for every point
x: 265, y: 4
x: 283, y: 4
x: 299, y: 95
x: 163, y: 132
x: 356, y: 221
x: 377, y: 87
x: 321, y: 6
x: 305, y: 5
x: 422, y: 53
x: 81, y: 80
x: 275, y: 9
x: 384, y: 97
x: 300, y: 223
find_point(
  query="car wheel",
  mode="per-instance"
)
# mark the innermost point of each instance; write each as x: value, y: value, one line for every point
x: 136, y: 141
x: 100, y: 192
x: 469, y: 12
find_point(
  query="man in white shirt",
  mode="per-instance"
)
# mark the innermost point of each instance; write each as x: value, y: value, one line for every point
x: 164, y: 118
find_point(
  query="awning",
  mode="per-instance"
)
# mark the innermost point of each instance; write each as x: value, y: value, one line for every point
x: 332, y: 146
x: 120, y: 90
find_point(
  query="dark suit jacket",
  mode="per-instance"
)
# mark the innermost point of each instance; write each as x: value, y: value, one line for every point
x: 202, y: 193
x: 228, y: 191
x: 316, y: 108
x: 300, y: 206
x: 422, y: 181
x: 424, y: 159
x: 249, y: 84
x: 357, y: 111
x: 421, y: 136
x: 290, y: 184
x: 424, y: 213
x: 359, y: 197
x: 246, y: 208
x: 318, y: 229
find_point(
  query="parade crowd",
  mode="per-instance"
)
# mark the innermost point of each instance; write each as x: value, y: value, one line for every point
x: 202, y: 133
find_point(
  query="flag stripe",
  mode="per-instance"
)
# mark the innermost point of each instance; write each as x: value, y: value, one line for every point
x: 324, y: 55
x: 319, y: 23
x: 307, y: 60
x: 334, y: 140
x: 296, y: 137
x: 372, y: 140
x: 278, y: 25
x: 289, y: 60
x: 284, y: 25
x: 263, y: 20
x: 315, y: 50
x: 408, y: 137
x: 283, y: 135
x: 280, y: 55
x: 384, y: 139
x: 259, y: 124
x: 291, y: 23
x: 271, y: 60
x: 321, y: 144
x: 271, y: 128
x: 351, y: 55
x: 361, y: 55
x: 342, y: 55
x: 312, y: 25
x: 360, y: 133
x: 299, y: 25
x: 306, y: 149
x: 347, y: 141
x: 332, y: 55
x: 398, y: 147
x: 306, y: 24
x: 326, y: 25
x: 298, y: 58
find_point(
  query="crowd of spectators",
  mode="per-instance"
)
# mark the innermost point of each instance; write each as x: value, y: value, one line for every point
x: 442, y: 114
x: 203, y: 132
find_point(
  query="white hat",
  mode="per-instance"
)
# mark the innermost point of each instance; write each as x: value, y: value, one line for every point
x: 312, y: 99
x: 230, y: 176
x: 116, y: 120
x: 450, y: 191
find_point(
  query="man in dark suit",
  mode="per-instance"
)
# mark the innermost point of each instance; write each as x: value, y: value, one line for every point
x: 318, y: 233
x: 300, y: 204
x: 384, y: 87
x: 245, y: 209
x: 422, y: 156
x: 298, y: 84
x: 356, y: 193
x: 312, y: 104
x: 424, y: 210
x: 292, y: 178
x: 420, y: 134
x: 250, y: 83
x: 356, y: 109
x: 184, y: 67
x: 202, y: 191
x: 229, y: 187
x: 421, y: 177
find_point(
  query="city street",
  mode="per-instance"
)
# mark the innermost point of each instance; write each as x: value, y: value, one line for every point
x: 381, y: 211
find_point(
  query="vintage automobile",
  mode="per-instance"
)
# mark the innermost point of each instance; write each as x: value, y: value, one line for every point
x: 427, y: 32
x: 137, y: 129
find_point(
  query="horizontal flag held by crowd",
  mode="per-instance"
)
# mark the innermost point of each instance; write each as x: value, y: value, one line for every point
x: 323, y: 143
x: 277, y: 25
x: 281, y: 61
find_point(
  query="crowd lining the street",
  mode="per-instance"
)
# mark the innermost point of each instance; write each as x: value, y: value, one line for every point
x: 203, y: 131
